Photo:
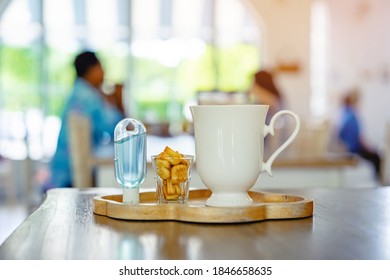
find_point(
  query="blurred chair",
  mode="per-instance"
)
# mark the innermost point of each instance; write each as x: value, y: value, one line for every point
x: 6, y: 181
x: 386, y: 157
x: 83, y: 159
x: 312, y: 140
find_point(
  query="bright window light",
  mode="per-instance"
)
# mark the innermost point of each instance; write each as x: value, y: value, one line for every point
x: 319, y: 30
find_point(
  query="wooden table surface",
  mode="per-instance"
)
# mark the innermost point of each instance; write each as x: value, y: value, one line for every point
x: 347, y: 224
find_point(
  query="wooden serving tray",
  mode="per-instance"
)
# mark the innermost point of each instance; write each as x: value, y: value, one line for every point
x: 266, y: 206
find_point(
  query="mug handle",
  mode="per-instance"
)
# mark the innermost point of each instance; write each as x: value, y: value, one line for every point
x: 269, y: 129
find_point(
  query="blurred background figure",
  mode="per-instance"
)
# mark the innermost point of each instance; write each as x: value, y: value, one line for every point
x: 350, y: 131
x: 264, y: 91
x: 86, y: 99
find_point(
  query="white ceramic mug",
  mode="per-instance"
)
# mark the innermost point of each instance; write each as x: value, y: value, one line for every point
x: 229, y: 147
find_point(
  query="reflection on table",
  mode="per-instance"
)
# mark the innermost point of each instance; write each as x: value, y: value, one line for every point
x: 64, y: 227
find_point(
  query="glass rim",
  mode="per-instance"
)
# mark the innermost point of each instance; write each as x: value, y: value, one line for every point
x: 182, y: 156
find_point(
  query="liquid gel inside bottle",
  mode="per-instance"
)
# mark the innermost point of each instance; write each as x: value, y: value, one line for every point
x: 130, y: 157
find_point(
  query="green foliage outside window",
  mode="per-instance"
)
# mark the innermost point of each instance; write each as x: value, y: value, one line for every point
x: 59, y: 79
x: 44, y: 80
x: 18, y: 80
x: 156, y: 86
x: 30, y: 79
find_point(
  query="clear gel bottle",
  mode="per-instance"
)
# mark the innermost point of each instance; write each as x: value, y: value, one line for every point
x: 130, y: 157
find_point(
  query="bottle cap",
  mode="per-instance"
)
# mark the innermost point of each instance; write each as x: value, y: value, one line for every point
x: 131, y: 195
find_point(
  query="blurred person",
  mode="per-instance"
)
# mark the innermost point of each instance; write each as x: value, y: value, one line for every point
x: 87, y: 99
x: 264, y: 91
x: 350, y: 132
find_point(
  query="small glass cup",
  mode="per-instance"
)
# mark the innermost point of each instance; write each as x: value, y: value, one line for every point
x: 173, y: 176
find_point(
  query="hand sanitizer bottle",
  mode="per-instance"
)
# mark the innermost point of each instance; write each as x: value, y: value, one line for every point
x: 130, y: 157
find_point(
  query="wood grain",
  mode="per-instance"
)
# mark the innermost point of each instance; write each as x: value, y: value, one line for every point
x: 348, y: 223
x: 265, y: 206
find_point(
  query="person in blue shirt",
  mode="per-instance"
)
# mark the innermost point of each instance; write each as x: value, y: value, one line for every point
x: 350, y: 132
x: 88, y: 100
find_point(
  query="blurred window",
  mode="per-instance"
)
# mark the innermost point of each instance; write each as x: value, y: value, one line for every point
x: 164, y: 51
x: 319, y: 56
